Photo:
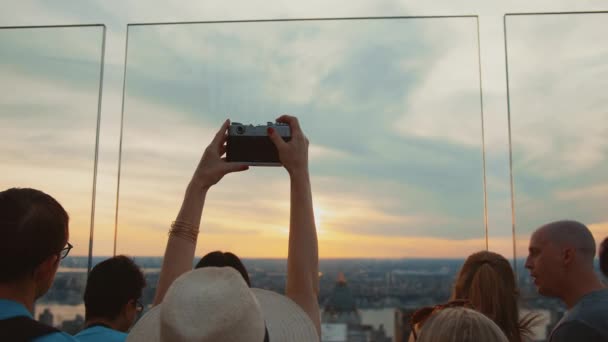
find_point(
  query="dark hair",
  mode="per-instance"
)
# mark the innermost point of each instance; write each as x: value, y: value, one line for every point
x: 224, y: 259
x: 33, y: 226
x: 603, y: 256
x: 111, y: 284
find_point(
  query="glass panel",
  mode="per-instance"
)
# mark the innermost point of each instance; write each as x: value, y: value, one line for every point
x: 392, y: 110
x: 558, y: 76
x: 49, y: 95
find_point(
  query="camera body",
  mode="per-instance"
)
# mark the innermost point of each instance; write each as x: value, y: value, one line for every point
x: 251, y: 144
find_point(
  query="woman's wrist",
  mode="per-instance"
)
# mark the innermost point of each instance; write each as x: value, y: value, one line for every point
x: 197, y: 187
x: 300, y: 173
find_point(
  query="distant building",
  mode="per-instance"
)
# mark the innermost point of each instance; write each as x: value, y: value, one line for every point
x: 341, y: 306
x: 379, y: 335
x: 341, y: 321
x: 74, y: 326
x: 334, y: 332
x: 46, y: 317
x: 403, y: 328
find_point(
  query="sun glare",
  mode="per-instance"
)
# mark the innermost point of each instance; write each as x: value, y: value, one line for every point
x: 319, y: 214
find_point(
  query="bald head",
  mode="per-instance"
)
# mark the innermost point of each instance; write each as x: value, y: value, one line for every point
x: 570, y: 234
x: 560, y: 261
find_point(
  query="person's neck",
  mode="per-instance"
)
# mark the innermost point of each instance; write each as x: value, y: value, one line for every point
x: 22, y: 293
x: 112, y: 324
x: 583, y: 284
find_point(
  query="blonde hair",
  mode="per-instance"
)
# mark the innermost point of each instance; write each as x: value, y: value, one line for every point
x: 487, y: 280
x: 460, y: 325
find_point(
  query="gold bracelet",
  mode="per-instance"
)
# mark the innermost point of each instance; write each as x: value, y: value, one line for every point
x: 184, y: 230
x: 186, y: 235
x: 184, y: 224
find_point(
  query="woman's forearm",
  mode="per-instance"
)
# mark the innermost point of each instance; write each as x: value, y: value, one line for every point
x: 303, y: 256
x: 180, y: 252
x: 182, y: 241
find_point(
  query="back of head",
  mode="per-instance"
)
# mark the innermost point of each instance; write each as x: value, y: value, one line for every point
x: 224, y: 259
x: 487, y: 280
x: 33, y: 227
x: 460, y: 325
x: 603, y: 255
x: 111, y: 284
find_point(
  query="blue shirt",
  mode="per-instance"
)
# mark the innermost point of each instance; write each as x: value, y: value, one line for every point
x: 10, y: 309
x: 101, y: 334
x: 586, y: 321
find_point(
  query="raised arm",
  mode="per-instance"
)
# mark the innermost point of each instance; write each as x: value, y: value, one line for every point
x: 303, y: 254
x: 181, y: 245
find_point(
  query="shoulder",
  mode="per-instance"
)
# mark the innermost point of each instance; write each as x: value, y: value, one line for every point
x: 56, y: 337
x: 101, y: 334
x: 575, y: 330
x: 595, y: 301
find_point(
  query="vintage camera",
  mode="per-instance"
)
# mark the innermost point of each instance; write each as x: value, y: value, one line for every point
x: 251, y: 144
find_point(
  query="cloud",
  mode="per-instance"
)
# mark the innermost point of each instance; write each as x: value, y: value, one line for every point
x: 431, y: 172
x: 49, y: 98
x: 590, y: 193
x: 65, y: 55
x: 558, y: 112
x: 319, y: 152
x: 334, y: 73
x: 599, y: 231
x: 558, y: 105
x: 350, y: 246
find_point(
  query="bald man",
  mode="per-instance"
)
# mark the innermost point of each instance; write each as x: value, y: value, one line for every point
x: 560, y: 261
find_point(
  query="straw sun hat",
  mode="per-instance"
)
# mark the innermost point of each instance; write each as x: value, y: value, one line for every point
x: 215, y: 304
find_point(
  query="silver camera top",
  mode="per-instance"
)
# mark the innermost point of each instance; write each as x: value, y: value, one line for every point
x: 239, y: 129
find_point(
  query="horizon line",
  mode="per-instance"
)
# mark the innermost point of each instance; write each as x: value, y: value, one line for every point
x: 285, y: 258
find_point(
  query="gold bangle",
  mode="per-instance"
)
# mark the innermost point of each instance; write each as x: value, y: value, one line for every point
x: 188, y: 237
x: 184, y: 224
x: 184, y: 230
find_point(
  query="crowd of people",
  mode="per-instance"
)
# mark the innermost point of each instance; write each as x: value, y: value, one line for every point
x: 216, y: 302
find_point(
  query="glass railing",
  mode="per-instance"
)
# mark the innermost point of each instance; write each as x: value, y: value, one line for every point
x: 50, y: 108
x: 558, y: 113
x: 392, y: 110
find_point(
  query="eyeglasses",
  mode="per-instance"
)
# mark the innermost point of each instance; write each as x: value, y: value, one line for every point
x: 422, y: 315
x: 65, y: 251
x: 139, y: 306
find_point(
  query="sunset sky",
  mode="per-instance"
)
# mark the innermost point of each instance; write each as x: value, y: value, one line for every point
x: 391, y: 107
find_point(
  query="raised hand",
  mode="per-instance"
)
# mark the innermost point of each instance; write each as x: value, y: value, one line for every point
x: 294, y: 153
x: 212, y: 166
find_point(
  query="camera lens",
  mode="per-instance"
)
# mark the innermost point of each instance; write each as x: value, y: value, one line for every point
x: 240, y: 129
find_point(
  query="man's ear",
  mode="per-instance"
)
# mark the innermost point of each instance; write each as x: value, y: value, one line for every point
x: 568, y: 255
x: 47, y: 268
x: 127, y: 315
x: 128, y: 307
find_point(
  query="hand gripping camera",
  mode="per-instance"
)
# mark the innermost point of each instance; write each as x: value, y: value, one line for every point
x: 251, y: 144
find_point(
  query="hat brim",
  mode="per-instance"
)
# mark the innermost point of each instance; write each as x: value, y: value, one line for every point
x: 147, y: 328
x: 285, y: 321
